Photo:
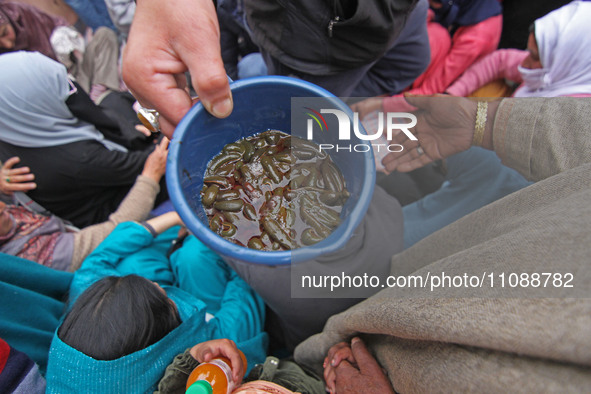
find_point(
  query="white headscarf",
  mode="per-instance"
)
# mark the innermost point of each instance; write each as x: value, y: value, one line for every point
x: 33, y: 110
x: 563, y: 37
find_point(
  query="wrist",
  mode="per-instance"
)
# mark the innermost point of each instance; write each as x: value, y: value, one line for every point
x: 149, y: 227
x: 153, y: 176
x: 165, y: 221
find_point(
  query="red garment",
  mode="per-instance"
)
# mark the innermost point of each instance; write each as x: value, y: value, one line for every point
x: 439, y: 44
x: 468, y: 44
x: 4, y: 352
x: 32, y: 27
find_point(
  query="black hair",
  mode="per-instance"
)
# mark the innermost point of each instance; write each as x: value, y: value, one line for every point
x: 117, y: 316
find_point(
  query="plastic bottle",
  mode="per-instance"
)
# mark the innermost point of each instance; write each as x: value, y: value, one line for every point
x: 213, y: 377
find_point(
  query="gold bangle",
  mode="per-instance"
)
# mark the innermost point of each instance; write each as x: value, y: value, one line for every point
x: 481, y: 113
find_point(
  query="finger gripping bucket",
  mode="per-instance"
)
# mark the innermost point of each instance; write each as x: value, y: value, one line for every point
x: 261, y: 104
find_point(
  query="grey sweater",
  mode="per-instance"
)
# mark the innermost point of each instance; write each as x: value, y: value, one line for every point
x: 135, y: 207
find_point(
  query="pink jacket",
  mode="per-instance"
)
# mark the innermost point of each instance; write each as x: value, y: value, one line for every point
x: 500, y: 64
x: 451, y: 56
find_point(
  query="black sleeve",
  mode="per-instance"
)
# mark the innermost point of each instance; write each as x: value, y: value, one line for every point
x: 85, y: 109
x: 113, y: 125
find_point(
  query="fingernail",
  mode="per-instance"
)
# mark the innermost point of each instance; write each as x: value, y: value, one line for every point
x: 333, y: 362
x: 355, y: 340
x: 222, y: 108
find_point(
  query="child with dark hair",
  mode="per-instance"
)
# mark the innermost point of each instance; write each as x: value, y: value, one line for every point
x: 121, y: 315
x: 123, y: 329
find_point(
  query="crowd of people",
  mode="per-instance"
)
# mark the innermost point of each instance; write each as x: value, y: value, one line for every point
x: 105, y: 290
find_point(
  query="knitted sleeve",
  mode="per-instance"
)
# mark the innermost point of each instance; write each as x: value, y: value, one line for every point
x: 135, y: 207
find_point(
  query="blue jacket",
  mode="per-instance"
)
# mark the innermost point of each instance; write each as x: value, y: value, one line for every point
x: 240, y: 316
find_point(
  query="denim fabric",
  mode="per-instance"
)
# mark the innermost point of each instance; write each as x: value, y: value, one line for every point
x: 94, y: 13
x: 252, y: 65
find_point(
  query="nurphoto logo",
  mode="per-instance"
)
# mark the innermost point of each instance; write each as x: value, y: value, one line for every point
x: 394, y: 121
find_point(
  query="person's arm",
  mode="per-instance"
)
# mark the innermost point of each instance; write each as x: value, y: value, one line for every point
x: 166, y: 40
x: 501, y: 63
x: 135, y: 206
x: 539, y: 137
x: 161, y: 223
x: 126, y: 239
x: 474, y: 42
x: 82, y: 107
x: 242, y: 312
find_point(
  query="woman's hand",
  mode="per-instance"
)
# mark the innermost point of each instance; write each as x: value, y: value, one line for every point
x: 155, y: 165
x: 207, y: 351
x: 445, y: 126
x: 15, y: 179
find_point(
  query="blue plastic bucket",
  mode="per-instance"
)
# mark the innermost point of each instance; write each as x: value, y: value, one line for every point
x: 260, y: 104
